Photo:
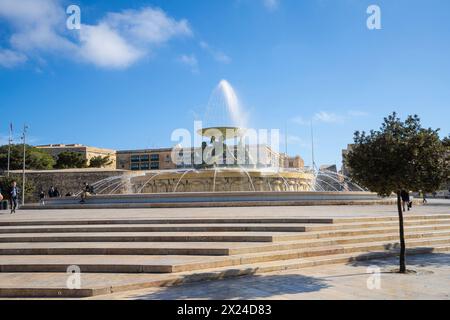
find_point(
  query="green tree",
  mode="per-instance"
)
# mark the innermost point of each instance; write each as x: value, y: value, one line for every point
x: 6, y: 182
x: 100, y: 162
x: 68, y: 160
x: 400, y: 156
x: 36, y: 159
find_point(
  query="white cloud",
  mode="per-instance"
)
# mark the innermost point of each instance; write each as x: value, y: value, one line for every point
x: 37, y: 24
x: 328, y: 117
x: 10, y: 59
x: 218, y: 55
x: 116, y: 41
x: 148, y: 25
x: 189, y: 60
x: 104, y: 47
x: 271, y: 4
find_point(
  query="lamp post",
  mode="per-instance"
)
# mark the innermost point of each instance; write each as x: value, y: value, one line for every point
x: 9, y: 147
x: 23, y: 167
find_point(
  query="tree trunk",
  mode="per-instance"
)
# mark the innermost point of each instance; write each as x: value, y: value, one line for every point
x: 402, y: 235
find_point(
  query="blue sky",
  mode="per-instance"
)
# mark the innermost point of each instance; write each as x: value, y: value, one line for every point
x: 137, y: 70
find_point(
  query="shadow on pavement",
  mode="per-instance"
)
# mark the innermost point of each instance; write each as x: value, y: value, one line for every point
x: 426, y: 258
x: 246, y: 287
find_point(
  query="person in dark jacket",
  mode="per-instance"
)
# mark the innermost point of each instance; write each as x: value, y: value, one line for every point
x: 406, y: 201
x: 42, y: 198
x: 13, y: 196
x: 51, y: 192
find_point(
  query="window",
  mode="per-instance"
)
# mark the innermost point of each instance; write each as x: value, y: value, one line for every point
x: 145, y: 157
x: 154, y: 157
x: 135, y: 166
x: 134, y: 158
x: 154, y: 165
x: 145, y: 166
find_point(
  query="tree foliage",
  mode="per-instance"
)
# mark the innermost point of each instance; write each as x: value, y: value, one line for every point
x: 100, y: 162
x: 69, y: 160
x: 400, y: 156
x: 36, y: 159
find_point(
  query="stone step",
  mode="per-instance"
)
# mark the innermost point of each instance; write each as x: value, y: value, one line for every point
x: 48, y: 222
x: 257, y: 258
x: 290, y: 264
x: 327, y: 242
x: 407, y: 217
x: 250, y: 227
x: 154, y: 264
x: 382, y: 224
x: 105, y: 263
x: 165, y: 221
x: 261, y: 227
x: 359, y: 232
x: 145, y: 237
x: 131, y: 248
x: 156, y: 228
x: 48, y: 285
x: 207, y: 236
x: 195, y: 248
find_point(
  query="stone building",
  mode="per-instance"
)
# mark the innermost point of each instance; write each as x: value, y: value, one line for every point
x: 161, y: 159
x: 87, y: 152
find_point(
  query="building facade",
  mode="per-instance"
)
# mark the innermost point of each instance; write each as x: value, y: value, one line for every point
x: 87, y: 152
x: 161, y: 158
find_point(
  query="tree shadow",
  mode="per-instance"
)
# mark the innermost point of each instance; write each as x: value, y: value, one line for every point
x: 244, y: 287
x: 417, y: 257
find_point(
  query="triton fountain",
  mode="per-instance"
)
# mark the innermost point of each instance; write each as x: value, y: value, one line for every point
x: 225, y: 170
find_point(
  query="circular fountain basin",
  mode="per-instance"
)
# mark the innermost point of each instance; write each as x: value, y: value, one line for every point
x: 223, y: 180
x: 216, y: 199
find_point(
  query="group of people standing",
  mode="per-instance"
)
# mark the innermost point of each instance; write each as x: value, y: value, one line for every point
x: 52, y: 192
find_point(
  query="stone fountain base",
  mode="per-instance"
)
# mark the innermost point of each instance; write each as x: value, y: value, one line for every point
x: 216, y: 199
x: 223, y: 180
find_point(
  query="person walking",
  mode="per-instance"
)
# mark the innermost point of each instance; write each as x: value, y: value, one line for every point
x: 56, y: 193
x: 405, y: 200
x: 424, y: 197
x: 85, y: 192
x: 42, y: 198
x: 13, y: 196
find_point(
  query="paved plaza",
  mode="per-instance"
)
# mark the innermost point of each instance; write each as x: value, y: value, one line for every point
x: 434, y: 207
x: 305, y: 252
x: 431, y: 280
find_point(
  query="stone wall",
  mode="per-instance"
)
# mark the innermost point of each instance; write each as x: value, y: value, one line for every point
x: 70, y: 180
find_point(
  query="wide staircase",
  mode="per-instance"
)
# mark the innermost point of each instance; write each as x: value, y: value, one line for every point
x: 118, y: 255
